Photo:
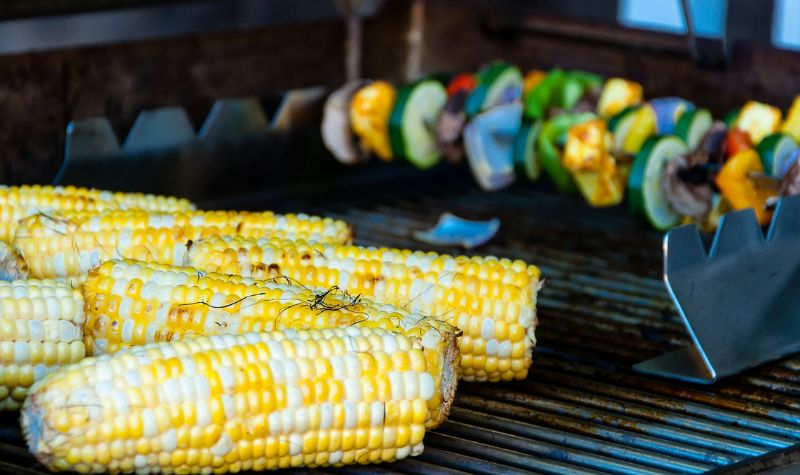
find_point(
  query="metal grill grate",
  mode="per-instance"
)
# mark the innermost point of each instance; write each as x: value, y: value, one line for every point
x: 603, y: 308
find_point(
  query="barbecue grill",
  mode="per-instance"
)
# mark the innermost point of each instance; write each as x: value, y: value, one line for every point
x: 603, y: 307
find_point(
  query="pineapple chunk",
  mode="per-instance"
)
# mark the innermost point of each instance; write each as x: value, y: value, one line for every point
x: 618, y: 94
x: 587, y: 157
x: 758, y: 120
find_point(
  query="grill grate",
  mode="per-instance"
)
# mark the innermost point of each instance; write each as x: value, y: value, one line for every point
x: 582, y: 410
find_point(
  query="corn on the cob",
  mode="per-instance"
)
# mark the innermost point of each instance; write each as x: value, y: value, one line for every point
x: 229, y: 403
x: 132, y: 303
x: 68, y: 244
x: 17, y: 202
x: 40, y: 331
x: 493, y: 302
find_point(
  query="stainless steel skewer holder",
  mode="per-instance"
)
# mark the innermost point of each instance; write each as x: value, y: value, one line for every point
x: 740, y: 302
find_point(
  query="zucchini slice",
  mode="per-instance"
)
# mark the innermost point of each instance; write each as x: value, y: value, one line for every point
x: 526, y: 158
x: 646, y: 181
x: 412, y: 124
x: 498, y: 83
x: 621, y: 124
x: 777, y: 153
x: 693, y: 125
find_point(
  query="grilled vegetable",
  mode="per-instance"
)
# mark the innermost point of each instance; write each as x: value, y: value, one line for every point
x: 643, y: 126
x: 668, y: 111
x: 526, y: 158
x: 758, y: 120
x: 369, y: 116
x: 17, y: 202
x: 498, y: 83
x: 693, y: 125
x: 617, y: 94
x: 131, y: 303
x: 40, y: 331
x: 462, y: 82
x: 647, y: 180
x: 67, y: 245
x: 739, y: 187
x: 685, y: 197
x: 412, y: 125
x: 587, y: 157
x: 336, y: 130
x: 551, y: 140
x: 238, y: 403
x: 791, y: 125
x: 777, y: 152
x: 531, y: 80
x: 492, y: 301
x: 737, y: 141
x: 450, y: 127
x: 489, y: 145
x: 543, y: 95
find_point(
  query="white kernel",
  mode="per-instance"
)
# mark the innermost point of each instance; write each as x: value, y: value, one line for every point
x: 338, y: 367
x: 171, y: 392
x: 335, y: 457
x: 352, y: 390
x: 396, y: 382
x: 127, y: 330
x: 229, y: 405
x: 203, y: 413
x: 169, y: 440
x: 504, y: 350
x: 188, y: 388
x: 301, y: 420
x: 275, y: 426
x: 492, y: 347
x: 350, y: 415
x: 389, y: 343
x: 410, y: 384
x: 431, y: 339
x: 325, y: 416
x: 291, y: 371
x: 140, y: 461
x: 150, y: 425
x: 377, y: 413
x: 295, y: 444
x: 294, y: 397
x: 426, y: 386
x: 223, y: 446
x: 227, y: 378
x: 276, y: 368
x: 526, y: 317
x: 487, y: 329
x: 202, y: 389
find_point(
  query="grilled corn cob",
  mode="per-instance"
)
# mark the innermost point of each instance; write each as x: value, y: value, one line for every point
x: 40, y: 331
x: 229, y: 403
x: 67, y: 245
x: 493, y: 302
x: 132, y: 303
x: 17, y: 202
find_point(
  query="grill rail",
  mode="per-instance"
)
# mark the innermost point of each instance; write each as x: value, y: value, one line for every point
x: 582, y: 409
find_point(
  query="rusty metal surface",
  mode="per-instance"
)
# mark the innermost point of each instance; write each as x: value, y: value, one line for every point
x: 582, y: 409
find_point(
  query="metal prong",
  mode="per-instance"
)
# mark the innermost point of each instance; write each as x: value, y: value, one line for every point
x: 159, y: 128
x: 683, y: 248
x: 786, y: 220
x: 736, y: 231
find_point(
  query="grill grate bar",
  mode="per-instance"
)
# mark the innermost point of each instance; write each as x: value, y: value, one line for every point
x: 568, y: 440
x: 504, y: 455
x: 728, y: 423
x: 680, y: 454
x: 539, y: 449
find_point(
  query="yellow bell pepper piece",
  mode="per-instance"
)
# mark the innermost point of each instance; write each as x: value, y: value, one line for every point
x: 370, y: 109
x: 618, y: 94
x: 739, y: 189
x: 586, y: 155
x: 531, y: 80
x: 792, y: 124
x: 758, y: 120
x: 644, y: 125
